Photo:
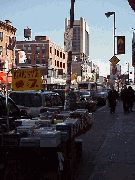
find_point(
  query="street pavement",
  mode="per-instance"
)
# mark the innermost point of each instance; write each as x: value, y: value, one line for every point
x: 108, y: 148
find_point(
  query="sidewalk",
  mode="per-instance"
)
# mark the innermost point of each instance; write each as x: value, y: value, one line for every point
x: 116, y: 157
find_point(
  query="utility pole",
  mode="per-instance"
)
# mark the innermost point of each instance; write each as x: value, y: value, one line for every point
x: 68, y: 78
x: 128, y: 71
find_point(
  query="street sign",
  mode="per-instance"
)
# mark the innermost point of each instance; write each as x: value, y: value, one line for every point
x: 26, y: 79
x: 114, y: 60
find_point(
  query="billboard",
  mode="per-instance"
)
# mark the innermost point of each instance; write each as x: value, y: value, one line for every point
x: 22, y: 57
x: 26, y: 79
x: 120, y: 44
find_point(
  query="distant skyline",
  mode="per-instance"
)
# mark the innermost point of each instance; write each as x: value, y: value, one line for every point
x: 48, y: 18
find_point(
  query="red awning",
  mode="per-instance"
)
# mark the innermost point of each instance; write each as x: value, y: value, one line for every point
x: 3, y: 78
x: 9, y: 79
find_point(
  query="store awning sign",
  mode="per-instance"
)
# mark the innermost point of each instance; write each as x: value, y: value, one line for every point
x: 26, y: 79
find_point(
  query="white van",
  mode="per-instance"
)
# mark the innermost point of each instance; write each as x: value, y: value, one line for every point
x: 34, y: 101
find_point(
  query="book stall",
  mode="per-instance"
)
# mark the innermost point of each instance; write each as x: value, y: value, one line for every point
x: 48, y: 141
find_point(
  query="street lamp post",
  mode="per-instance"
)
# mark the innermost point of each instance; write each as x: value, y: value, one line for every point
x: 108, y: 14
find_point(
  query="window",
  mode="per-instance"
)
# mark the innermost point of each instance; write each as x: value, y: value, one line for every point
x: 6, y: 48
x: 29, y: 60
x: 50, y: 49
x: 37, y: 49
x: 1, y: 50
x: 16, y: 61
x: 43, y: 49
x: 63, y: 56
x: 55, y: 51
x: 55, y: 62
x: 63, y: 65
x: 29, y: 49
x: 1, y: 36
x: 43, y: 60
x: 58, y: 63
x: 24, y: 48
x: 37, y: 60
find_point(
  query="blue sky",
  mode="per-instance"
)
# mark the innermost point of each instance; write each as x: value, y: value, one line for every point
x: 47, y: 17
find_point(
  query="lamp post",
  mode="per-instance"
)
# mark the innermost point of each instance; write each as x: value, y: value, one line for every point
x: 108, y: 14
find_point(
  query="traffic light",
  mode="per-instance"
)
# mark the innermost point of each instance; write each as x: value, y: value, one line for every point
x: 119, y: 76
x: 108, y: 76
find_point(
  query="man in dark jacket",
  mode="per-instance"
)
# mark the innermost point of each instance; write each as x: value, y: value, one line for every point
x: 131, y: 98
x: 112, y: 96
x: 125, y: 98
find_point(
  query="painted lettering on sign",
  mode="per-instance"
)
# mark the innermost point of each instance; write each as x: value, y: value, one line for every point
x: 26, y: 79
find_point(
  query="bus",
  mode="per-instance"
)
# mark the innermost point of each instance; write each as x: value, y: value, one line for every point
x: 89, y: 86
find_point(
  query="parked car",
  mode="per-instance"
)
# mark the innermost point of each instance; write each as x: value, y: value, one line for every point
x: 100, y: 98
x: 14, y: 111
x: 85, y: 94
x: 90, y: 104
x: 105, y: 91
x: 34, y: 102
x: 74, y: 97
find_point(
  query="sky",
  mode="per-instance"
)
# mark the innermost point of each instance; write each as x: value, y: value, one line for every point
x: 47, y: 17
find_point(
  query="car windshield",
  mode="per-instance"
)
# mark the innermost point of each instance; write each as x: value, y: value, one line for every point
x: 85, y: 93
x: 104, y: 90
x: 28, y: 100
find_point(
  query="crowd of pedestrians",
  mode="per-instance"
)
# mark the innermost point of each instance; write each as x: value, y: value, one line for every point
x: 127, y: 96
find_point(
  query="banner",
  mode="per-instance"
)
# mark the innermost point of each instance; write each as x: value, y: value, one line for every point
x: 120, y: 44
x: 22, y: 57
x: 133, y: 50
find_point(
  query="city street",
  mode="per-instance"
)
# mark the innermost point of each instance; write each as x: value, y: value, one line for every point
x: 102, y: 149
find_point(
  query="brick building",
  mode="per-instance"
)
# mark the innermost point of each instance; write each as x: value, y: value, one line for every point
x: 44, y: 53
x: 7, y: 49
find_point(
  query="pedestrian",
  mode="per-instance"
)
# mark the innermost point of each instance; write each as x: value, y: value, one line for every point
x: 131, y: 98
x: 125, y: 97
x: 112, y: 96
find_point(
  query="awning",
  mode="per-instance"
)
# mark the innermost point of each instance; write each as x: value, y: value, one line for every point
x: 3, y: 78
x: 9, y: 79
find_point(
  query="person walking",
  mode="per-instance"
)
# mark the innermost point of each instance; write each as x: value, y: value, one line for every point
x: 131, y: 98
x: 125, y: 98
x: 112, y: 96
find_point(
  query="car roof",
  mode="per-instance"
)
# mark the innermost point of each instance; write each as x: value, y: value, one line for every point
x: 32, y: 91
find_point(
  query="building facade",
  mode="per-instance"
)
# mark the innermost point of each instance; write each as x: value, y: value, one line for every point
x: 7, y: 53
x: 44, y: 53
x: 80, y: 45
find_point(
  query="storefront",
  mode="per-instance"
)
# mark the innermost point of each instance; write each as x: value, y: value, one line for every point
x: 3, y: 82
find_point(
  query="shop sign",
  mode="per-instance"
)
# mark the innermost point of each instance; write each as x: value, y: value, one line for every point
x: 26, y: 79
